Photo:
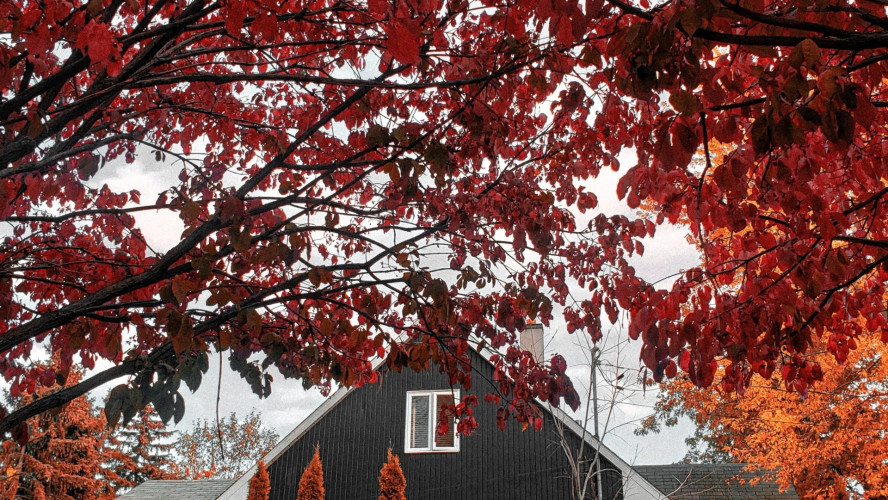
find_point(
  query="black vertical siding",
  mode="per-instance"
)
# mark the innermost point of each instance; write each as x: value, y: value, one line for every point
x: 491, y: 464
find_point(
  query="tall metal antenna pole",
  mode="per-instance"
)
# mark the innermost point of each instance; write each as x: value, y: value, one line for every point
x: 595, y: 355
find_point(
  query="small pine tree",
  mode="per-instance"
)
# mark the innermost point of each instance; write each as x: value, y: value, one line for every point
x: 259, y: 483
x: 391, y: 479
x: 145, y: 449
x: 311, y: 486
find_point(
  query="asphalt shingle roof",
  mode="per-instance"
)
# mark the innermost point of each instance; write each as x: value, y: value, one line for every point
x: 711, y: 482
x: 209, y: 489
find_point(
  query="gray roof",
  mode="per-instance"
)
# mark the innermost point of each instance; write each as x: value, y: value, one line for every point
x: 208, y: 489
x: 712, y: 481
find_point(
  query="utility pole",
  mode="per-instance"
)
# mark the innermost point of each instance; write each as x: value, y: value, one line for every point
x: 595, y: 355
x: 599, y: 490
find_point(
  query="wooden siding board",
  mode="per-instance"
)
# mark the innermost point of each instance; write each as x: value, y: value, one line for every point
x: 490, y: 465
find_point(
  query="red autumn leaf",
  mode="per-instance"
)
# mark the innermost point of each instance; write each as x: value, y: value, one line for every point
x: 265, y: 25
x: 234, y: 20
x: 378, y: 7
x: 97, y: 41
x: 404, y: 40
x: 558, y: 364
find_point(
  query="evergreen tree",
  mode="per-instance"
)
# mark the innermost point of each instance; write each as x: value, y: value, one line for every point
x: 147, y: 448
x: 391, y: 479
x: 311, y: 486
x: 259, y: 484
x: 64, y: 456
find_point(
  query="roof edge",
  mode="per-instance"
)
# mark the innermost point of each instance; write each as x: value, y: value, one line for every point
x: 629, y: 471
x: 580, y: 431
x: 243, y: 482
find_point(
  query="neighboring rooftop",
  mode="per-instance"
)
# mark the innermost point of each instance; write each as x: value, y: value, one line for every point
x: 208, y: 489
x: 712, y: 482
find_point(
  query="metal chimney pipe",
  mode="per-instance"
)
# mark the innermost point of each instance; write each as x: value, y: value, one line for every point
x: 531, y: 339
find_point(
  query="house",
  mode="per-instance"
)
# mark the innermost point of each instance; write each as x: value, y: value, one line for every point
x: 355, y: 427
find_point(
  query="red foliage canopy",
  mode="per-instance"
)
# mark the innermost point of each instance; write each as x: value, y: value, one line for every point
x: 407, y: 176
x: 794, y: 248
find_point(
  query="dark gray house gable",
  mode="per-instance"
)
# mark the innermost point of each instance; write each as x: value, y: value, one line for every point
x: 355, y: 427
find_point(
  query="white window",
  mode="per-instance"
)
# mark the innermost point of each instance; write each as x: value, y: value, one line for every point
x: 423, y: 408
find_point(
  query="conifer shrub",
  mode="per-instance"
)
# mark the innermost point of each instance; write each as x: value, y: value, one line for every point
x: 311, y: 486
x: 260, y: 485
x: 391, y: 479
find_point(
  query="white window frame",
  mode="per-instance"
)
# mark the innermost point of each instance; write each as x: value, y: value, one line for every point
x: 433, y: 422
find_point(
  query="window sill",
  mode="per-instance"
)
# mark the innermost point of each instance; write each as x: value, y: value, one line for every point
x: 429, y: 452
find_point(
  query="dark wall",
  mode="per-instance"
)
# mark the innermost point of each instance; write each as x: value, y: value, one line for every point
x: 491, y: 464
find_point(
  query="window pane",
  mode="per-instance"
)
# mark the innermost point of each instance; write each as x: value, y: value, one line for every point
x: 419, y: 421
x: 445, y: 440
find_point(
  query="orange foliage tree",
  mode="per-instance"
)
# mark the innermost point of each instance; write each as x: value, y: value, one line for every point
x: 224, y: 449
x: 391, y: 479
x: 260, y: 485
x: 311, y: 486
x: 64, y: 456
x: 829, y: 444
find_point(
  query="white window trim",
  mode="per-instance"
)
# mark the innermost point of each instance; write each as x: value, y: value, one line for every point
x: 433, y: 423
